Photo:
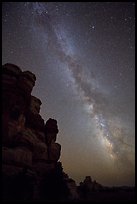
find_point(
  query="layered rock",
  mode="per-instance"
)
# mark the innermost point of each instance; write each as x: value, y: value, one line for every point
x: 19, y: 156
x: 29, y: 145
x: 15, y: 101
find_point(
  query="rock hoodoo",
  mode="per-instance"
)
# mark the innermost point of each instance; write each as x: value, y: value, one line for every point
x: 30, y: 154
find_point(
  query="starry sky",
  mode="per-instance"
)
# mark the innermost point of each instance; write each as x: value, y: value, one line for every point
x: 83, y: 56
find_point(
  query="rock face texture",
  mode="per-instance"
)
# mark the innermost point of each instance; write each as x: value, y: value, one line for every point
x: 30, y: 154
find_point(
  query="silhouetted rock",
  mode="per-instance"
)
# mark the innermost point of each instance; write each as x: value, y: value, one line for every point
x: 26, y: 81
x: 30, y: 154
x: 87, y: 187
x: 51, y: 131
x: 73, y: 193
x: 11, y: 69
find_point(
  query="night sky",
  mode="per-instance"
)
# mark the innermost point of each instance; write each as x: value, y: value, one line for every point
x: 83, y: 56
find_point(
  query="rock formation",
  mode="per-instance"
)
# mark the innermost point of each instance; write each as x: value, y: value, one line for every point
x: 30, y: 154
x: 88, y: 186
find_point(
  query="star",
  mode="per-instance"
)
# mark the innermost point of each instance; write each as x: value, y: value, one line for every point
x: 91, y: 27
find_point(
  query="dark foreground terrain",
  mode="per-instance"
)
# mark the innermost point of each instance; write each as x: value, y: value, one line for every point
x: 102, y: 197
x: 111, y: 197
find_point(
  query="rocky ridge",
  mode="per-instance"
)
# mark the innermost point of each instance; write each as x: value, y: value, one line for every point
x: 30, y: 155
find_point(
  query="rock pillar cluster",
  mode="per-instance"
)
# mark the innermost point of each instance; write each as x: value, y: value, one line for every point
x: 30, y: 153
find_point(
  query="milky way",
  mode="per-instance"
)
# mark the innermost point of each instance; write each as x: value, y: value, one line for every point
x: 75, y: 43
